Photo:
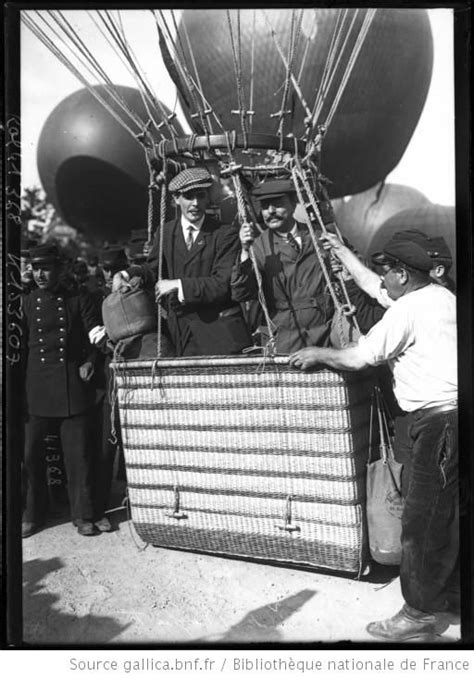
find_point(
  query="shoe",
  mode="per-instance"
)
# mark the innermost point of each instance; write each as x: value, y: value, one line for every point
x: 28, y: 529
x: 85, y: 528
x: 408, y: 624
x: 103, y: 525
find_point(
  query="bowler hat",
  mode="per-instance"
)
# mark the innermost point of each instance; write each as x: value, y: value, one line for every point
x: 113, y: 258
x: 274, y: 188
x: 190, y: 179
x: 406, y: 251
x: 44, y: 254
x: 135, y: 250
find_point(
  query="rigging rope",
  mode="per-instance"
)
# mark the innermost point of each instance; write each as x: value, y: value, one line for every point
x: 295, y: 80
x: 50, y: 45
x: 368, y: 18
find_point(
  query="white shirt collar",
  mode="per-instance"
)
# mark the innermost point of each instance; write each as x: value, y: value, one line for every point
x: 185, y: 224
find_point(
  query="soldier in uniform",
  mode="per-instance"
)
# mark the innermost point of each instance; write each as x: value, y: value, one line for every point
x: 59, y: 365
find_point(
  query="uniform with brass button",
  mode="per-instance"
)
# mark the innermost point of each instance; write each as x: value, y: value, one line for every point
x: 59, y: 363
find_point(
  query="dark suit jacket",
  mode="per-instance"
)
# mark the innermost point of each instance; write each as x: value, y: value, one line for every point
x: 208, y: 323
x: 55, y: 345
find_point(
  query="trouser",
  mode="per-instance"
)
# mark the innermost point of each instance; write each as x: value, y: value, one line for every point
x: 429, y: 569
x: 74, y: 435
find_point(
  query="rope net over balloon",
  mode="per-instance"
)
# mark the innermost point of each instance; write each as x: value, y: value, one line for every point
x: 266, y: 93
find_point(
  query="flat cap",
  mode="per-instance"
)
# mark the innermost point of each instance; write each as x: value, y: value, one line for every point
x: 189, y: 179
x: 42, y: 254
x: 438, y: 249
x: 404, y: 251
x: 413, y: 235
x: 274, y: 188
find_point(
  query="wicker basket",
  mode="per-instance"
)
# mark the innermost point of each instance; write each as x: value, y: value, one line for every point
x: 229, y: 456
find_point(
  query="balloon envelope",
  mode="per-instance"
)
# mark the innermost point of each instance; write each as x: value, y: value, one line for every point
x: 92, y: 169
x: 360, y: 216
x: 379, y: 108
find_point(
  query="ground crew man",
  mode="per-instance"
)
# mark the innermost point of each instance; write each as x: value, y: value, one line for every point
x: 417, y: 338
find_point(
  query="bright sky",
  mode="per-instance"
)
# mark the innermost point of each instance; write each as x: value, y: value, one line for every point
x: 45, y: 82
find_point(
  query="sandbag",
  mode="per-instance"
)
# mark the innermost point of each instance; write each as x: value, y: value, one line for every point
x: 127, y: 314
x: 384, y: 494
x: 384, y: 510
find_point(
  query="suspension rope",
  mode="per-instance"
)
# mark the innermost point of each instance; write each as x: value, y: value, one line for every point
x: 196, y: 72
x: 144, y: 87
x: 347, y: 308
x: 237, y: 61
x: 252, y: 69
x: 329, y: 67
x: 368, y: 18
x: 89, y: 58
x: 296, y: 175
x: 50, y: 45
x: 243, y: 218
x: 294, y: 31
x: 202, y: 109
x: 295, y: 80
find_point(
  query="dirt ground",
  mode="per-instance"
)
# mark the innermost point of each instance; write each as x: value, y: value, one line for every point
x: 115, y: 589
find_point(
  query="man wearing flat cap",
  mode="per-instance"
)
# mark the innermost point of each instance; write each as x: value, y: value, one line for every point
x: 417, y: 338
x: 59, y: 364
x: 294, y: 286
x: 198, y: 253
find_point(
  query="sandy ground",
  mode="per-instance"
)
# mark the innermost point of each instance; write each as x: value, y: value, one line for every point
x: 115, y: 589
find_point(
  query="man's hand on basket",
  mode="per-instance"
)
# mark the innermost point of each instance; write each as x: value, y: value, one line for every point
x: 305, y: 358
x: 165, y: 287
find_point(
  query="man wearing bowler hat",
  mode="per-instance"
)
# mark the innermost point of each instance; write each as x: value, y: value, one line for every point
x: 417, y: 338
x: 294, y: 286
x: 198, y: 253
x: 59, y: 364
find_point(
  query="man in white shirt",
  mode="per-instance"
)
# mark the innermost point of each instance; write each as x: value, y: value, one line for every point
x: 194, y: 288
x: 417, y: 338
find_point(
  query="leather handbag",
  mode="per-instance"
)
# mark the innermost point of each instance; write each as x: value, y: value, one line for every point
x: 130, y: 313
x: 384, y: 495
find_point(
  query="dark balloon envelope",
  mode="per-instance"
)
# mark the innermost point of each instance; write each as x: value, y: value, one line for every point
x: 360, y: 216
x: 92, y: 169
x: 381, y: 104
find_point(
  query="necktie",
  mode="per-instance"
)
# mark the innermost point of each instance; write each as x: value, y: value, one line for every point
x: 189, y: 237
x: 293, y: 242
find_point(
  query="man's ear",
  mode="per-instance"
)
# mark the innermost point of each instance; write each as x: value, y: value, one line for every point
x: 439, y: 270
x: 403, y: 276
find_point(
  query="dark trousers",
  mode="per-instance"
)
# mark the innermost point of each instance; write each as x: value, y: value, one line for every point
x: 104, y: 457
x: 429, y: 569
x: 74, y: 433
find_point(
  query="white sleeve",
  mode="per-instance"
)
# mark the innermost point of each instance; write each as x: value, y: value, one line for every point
x: 388, y: 338
x: 370, y: 282
x: 181, y: 298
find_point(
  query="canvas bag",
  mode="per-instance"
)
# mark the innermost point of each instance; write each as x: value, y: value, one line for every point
x: 384, y: 495
x: 129, y: 313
